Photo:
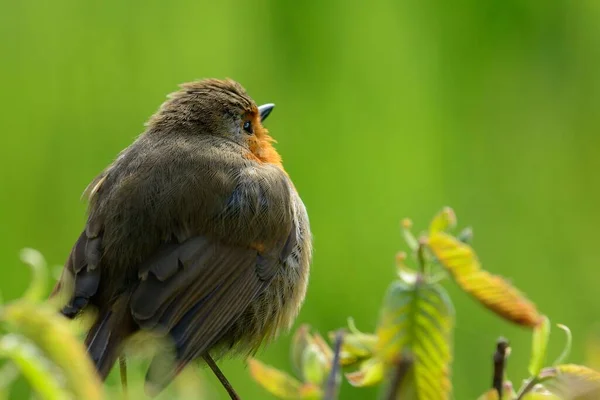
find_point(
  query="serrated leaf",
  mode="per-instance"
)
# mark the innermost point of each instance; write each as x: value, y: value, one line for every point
x: 276, y: 382
x: 443, y: 221
x: 418, y: 320
x: 572, y: 382
x: 490, y: 290
x: 541, y: 334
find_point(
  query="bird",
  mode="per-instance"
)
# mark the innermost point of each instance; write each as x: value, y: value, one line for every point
x: 194, y: 233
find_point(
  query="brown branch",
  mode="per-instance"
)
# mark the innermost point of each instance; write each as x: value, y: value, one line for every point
x: 499, y: 365
x: 332, y: 386
x: 402, y: 368
x: 123, y: 372
x: 215, y: 369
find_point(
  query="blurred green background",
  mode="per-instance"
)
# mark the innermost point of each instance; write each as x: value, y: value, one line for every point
x: 384, y: 110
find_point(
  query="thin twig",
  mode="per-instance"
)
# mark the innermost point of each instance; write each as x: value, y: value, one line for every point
x: 402, y: 368
x: 421, y: 255
x: 123, y: 371
x: 499, y: 365
x: 332, y: 386
x: 215, y: 369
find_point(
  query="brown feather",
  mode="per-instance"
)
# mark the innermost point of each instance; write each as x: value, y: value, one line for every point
x: 194, y: 232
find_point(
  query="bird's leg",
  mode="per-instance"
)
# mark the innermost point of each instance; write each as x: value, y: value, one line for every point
x: 123, y: 371
x: 215, y: 369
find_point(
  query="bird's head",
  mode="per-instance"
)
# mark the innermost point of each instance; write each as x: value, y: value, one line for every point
x: 220, y: 108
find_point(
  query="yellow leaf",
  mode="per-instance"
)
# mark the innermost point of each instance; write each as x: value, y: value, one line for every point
x: 491, y: 394
x: 444, y: 220
x: 490, y: 290
x: 573, y: 382
x: 276, y: 382
x: 418, y: 319
x: 309, y: 391
x: 370, y: 373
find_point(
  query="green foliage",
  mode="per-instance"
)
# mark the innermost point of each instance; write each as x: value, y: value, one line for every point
x: 417, y: 321
x: 41, y: 343
x: 409, y: 356
x: 411, y: 352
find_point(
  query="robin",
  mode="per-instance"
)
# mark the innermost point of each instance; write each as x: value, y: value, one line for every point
x: 194, y: 233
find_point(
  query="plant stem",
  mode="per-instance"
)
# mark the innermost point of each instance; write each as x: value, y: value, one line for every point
x: 402, y: 368
x: 123, y: 371
x: 499, y: 365
x: 531, y: 382
x: 333, y: 380
x: 215, y: 369
x: 421, y: 255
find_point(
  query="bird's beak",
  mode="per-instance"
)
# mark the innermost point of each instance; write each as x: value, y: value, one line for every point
x: 265, y: 110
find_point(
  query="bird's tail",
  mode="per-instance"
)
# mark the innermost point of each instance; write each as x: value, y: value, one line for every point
x: 106, y: 337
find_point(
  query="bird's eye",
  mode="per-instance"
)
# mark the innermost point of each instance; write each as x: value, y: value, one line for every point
x: 248, y: 127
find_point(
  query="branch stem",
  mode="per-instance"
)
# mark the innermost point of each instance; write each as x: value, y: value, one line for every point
x: 332, y: 386
x: 215, y: 369
x: 402, y: 368
x: 123, y: 372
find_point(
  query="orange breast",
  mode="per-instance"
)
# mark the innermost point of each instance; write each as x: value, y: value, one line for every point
x: 261, y: 144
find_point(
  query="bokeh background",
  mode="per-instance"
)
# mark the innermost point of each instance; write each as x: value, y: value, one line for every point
x: 384, y: 110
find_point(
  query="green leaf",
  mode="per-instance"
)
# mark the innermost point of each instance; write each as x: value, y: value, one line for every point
x: 370, y: 373
x: 490, y: 290
x: 51, y: 333
x: 37, y: 263
x: 300, y: 342
x: 541, y: 334
x: 418, y: 320
x: 303, y: 342
x: 315, y: 366
x: 42, y: 375
x: 356, y: 345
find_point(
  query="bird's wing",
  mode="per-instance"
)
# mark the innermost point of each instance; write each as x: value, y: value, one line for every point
x: 196, y: 289
x: 82, y: 269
